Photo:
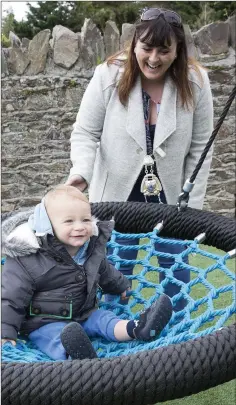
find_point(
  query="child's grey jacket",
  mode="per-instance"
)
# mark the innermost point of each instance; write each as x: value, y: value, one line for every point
x: 41, y: 283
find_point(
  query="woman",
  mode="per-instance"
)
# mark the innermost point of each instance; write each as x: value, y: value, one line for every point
x: 147, y: 111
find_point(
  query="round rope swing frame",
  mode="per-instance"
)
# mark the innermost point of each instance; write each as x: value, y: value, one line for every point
x: 148, y: 376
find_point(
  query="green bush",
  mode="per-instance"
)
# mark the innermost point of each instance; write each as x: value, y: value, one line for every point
x: 5, y: 42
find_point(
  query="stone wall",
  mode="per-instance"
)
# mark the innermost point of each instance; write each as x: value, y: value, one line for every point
x: 43, y: 82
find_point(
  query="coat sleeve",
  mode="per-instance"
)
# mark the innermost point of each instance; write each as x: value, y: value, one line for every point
x: 88, y: 128
x: 17, y: 291
x: 201, y: 132
x: 112, y: 281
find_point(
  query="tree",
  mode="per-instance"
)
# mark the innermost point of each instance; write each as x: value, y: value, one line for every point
x: 71, y: 14
x: 45, y: 15
x: 223, y: 9
x: 188, y: 10
x: 24, y: 29
x: 48, y: 14
x: 212, y: 11
x: 8, y: 22
x: 102, y: 11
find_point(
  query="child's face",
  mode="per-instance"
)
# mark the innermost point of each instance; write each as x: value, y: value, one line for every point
x: 71, y: 221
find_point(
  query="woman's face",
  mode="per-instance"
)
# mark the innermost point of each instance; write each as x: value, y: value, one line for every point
x: 154, y: 62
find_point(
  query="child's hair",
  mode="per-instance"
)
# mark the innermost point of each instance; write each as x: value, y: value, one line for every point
x: 67, y: 191
x: 63, y: 190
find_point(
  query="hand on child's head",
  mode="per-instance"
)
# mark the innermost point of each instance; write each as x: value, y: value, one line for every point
x: 77, y: 181
x: 3, y: 341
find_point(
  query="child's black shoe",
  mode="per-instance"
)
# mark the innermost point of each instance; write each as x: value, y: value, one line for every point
x: 154, y: 319
x: 76, y: 343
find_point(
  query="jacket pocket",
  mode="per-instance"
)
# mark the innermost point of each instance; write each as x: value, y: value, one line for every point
x: 51, y: 305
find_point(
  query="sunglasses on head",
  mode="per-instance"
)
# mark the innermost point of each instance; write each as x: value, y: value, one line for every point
x: 170, y: 16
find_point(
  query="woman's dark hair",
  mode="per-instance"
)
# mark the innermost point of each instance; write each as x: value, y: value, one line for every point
x: 156, y: 33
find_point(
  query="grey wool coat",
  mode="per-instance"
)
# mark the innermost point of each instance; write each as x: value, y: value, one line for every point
x: 108, y: 142
x: 42, y: 284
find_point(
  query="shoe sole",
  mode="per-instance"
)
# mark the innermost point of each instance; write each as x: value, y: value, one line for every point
x: 76, y: 343
x: 152, y: 322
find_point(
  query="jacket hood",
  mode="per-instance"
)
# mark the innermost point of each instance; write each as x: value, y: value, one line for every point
x: 18, y: 238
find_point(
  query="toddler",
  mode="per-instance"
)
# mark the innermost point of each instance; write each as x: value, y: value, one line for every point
x: 55, y: 261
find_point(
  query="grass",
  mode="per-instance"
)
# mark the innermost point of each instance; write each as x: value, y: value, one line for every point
x: 223, y: 394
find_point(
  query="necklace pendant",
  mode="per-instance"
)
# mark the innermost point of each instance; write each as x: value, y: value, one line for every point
x: 150, y: 185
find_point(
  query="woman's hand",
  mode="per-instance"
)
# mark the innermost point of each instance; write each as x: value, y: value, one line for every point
x: 3, y: 341
x: 77, y: 181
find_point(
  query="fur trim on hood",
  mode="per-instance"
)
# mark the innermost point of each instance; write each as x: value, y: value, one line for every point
x: 18, y: 239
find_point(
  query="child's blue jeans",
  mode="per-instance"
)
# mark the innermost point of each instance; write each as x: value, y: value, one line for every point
x: 171, y: 289
x: 47, y: 338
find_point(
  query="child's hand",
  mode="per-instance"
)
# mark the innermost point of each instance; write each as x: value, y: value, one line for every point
x: 3, y: 341
x: 123, y: 295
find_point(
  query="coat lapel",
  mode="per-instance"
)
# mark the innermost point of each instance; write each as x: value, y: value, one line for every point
x: 166, y: 122
x: 135, y: 117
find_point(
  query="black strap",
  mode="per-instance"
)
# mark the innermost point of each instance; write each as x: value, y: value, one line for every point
x: 183, y: 198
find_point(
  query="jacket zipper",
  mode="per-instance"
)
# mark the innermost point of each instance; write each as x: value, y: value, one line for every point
x: 92, y: 249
